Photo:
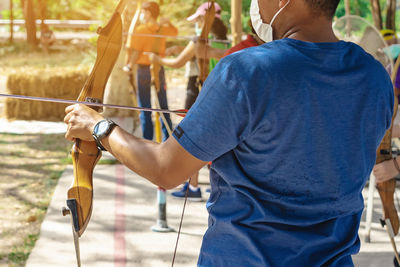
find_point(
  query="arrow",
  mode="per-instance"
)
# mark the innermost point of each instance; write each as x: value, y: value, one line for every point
x: 179, y: 112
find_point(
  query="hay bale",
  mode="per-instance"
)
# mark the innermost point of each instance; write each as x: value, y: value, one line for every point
x: 119, y: 91
x: 62, y: 83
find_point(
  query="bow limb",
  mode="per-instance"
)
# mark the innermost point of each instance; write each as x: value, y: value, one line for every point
x: 85, y: 155
x: 208, y: 22
x: 386, y: 189
x: 128, y: 45
x: 133, y: 24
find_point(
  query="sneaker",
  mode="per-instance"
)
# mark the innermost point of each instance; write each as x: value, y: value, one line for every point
x: 193, y: 195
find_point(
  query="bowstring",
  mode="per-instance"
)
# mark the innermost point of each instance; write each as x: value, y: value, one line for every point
x: 180, y: 223
x: 187, y: 188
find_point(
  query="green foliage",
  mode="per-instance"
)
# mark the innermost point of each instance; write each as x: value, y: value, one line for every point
x: 79, y: 9
x: 17, y: 12
x: 102, y: 10
x: 68, y: 9
x: 246, y: 15
x: 357, y: 7
x: 362, y: 8
x: 176, y: 10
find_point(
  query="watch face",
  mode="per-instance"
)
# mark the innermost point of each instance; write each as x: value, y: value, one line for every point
x: 102, y: 128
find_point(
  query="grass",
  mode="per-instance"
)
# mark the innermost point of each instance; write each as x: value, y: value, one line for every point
x: 21, y: 254
x: 30, y: 166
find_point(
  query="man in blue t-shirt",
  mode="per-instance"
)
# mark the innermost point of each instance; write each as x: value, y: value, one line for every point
x: 291, y: 127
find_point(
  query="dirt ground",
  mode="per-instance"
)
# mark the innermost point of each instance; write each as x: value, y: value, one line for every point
x: 30, y: 166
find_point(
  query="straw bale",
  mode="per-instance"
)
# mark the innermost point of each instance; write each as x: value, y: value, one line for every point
x: 62, y: 83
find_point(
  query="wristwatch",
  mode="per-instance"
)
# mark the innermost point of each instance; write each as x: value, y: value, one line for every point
x: 102, y: 129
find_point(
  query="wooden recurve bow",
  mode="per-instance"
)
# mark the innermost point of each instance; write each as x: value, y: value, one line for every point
x: 203, y: 63
x: 131, y: 31
x: 85, y: 154
x: 386, y: 189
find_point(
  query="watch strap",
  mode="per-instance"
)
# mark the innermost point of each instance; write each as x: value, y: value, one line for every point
x: 98, y: 143
x: 97, y: 138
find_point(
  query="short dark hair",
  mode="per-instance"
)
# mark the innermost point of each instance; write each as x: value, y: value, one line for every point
x: 219, y: 30
x: 153, y: 7
x: 326, y: 7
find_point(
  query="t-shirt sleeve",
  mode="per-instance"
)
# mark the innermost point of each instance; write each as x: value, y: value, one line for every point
x: 169, y: 30
x: 219, y: 119
x: 137, y: 42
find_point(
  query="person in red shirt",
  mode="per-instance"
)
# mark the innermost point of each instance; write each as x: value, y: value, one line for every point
x: 251, y: 40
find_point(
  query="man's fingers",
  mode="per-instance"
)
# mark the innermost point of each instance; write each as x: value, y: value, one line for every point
x: 67, y: 118
x: 68, y: 135
x: 80, y: 120
x: 68, y: 109
x: 384, y: 171
x: 74, y: 107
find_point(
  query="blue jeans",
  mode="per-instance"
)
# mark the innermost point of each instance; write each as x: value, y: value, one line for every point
x: 144, y: 100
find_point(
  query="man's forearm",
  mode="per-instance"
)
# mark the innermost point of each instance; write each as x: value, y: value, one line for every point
x: 186, y: 55
x: 216, y: 53
x: 172, y: 62
x: 139, y: 155
x: 166, y: 164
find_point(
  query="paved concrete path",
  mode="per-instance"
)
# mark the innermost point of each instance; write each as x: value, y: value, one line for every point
x: 379, y: 252
x: 119, y: 232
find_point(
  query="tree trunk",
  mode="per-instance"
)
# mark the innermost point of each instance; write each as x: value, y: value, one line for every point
x: 347, y: 13
x: 43, y: 9
x: 376, y: 13
x: 391, y: 15
x: 30, y: 22
x: 347, y: 7
x: 11, y: 22
x: 236, y: 21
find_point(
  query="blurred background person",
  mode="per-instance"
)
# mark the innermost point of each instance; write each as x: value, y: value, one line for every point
x: 142, y: 42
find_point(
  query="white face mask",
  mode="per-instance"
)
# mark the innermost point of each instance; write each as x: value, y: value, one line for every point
x: 141, y: 18
x: 263, y: 30
x: 197, y: 29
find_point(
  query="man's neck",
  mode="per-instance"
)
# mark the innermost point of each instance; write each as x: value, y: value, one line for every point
x: 317, y: 30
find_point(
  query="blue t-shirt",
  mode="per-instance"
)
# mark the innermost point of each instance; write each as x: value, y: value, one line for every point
x: 292, y: 129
